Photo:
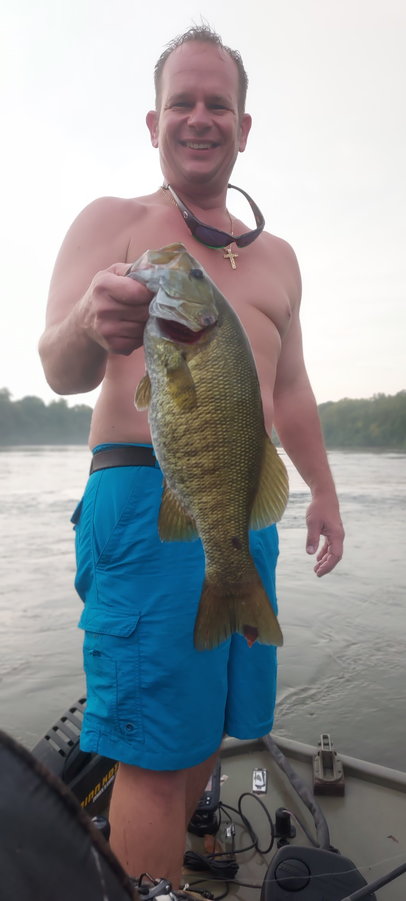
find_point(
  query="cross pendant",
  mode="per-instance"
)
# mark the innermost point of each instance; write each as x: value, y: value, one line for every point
x: 229, y: 255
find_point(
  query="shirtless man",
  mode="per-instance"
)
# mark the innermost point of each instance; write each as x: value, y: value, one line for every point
x: 161, y: 709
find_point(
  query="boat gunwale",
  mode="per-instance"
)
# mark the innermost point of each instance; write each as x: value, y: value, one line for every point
x: 353, y: 766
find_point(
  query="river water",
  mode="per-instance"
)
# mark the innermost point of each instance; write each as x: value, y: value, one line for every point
x: 343, y: 666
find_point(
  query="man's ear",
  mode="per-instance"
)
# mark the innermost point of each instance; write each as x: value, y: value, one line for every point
x: 152, y: 124
x: 245, y: 125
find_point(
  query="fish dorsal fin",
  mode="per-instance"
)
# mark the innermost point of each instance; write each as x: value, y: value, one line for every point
x: 273, y: 489
x: 175, y: 523
x: 143, y: 393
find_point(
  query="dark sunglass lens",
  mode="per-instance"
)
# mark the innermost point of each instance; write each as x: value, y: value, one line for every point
x: 210, y: 236
x: 244, y: 240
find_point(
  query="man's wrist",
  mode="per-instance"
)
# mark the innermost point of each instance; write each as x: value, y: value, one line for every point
x: 324, y: 490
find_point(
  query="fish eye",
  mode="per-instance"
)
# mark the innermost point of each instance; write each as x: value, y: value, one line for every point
x: 196, y: 273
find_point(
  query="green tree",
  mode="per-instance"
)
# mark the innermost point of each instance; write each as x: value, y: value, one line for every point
x: 378, y: 422
x: 31, y: 421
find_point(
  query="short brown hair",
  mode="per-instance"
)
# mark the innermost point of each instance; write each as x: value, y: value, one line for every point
x: 205, y: 34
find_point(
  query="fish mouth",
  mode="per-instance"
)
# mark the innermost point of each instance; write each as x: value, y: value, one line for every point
x: 172, y: 311
x: 179, y: 333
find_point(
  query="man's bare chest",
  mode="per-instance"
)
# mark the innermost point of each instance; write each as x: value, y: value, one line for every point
x: 253, y: 284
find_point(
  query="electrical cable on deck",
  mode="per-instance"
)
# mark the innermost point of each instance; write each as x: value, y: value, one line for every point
x: 303, y: 791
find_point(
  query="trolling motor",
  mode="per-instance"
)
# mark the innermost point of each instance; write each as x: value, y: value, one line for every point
x: 89, y: 776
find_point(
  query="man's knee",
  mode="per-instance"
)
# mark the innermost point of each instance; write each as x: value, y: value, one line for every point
x: 160, y: 784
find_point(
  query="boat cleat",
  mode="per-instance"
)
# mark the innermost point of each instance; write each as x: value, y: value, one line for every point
x: 328, y: 771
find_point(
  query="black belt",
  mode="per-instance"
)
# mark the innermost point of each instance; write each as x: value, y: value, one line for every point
x: 123, y: 456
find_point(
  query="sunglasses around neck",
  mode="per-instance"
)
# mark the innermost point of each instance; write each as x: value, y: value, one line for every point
x: 214, y: 237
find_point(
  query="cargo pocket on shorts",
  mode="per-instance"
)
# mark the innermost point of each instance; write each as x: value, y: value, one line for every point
x: 84, y: 574
x: 112, y: 666
x: 76, y: 514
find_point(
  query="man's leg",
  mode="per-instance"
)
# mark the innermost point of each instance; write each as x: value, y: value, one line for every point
x: 149, y: 813
x: 197, y: 779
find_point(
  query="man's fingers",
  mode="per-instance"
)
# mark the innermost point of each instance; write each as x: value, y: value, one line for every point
x: 120, y: 336
x: 324, y: 520
x: 326, y: 563
x: 119, y: 268
x: 314, y: 522
x: 312, y: 540
x: 124, y: 346
x: 311, y: 546
x: 323, y: 551
x: 328, y: 557
x: 114, y: 287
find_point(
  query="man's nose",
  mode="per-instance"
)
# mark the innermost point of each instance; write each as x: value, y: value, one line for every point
x: 199, y: 116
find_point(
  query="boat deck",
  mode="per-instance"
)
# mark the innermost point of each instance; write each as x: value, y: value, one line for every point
x: 367, y: 824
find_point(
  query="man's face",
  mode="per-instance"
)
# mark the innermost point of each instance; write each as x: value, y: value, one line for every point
x: 198, y: 128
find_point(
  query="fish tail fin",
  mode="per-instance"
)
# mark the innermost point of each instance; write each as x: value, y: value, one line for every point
x: 247, y: 611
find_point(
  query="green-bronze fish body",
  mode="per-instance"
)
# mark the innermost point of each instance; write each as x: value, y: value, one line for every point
x: 222, y: 473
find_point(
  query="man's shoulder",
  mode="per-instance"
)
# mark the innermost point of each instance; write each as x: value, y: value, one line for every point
x: 276, y: 253
x: 276, y: 256
x: 118, y: 208
x: 278, y: 245
x: 102, y: 231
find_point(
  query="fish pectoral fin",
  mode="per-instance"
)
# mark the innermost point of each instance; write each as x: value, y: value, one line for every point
x: 142, y: 397
x: 175, y: 523
x: 273, y: 489
x: 180, y: 383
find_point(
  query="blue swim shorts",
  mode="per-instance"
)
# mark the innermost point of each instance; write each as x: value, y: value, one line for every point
x: 152, y: 699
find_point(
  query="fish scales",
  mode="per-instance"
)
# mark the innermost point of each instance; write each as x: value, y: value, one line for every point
x: 219, y: 432
x: 207, y: 428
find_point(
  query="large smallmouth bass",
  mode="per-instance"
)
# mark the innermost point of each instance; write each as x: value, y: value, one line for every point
x: 222, y: 473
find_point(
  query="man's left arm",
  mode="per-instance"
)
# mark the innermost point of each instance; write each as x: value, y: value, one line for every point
x: 298, y: 426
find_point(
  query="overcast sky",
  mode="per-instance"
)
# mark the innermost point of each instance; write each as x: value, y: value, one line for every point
x: 325, y: 159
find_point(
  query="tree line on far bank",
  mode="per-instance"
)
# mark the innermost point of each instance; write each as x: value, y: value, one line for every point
x: 31, y: 421
x: 377, y: 423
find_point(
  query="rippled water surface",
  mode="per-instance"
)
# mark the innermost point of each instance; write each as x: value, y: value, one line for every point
x: 343, y: 665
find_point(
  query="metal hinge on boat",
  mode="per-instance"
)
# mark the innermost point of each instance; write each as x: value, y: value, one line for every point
x: 328, y: 771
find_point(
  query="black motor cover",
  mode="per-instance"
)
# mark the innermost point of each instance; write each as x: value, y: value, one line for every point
x: 311, y: 874
x: 49, y: 849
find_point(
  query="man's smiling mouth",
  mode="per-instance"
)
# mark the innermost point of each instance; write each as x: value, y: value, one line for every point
x: 199, y: 145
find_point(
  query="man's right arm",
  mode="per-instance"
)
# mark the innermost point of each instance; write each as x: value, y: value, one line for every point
x: 93, y: 309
